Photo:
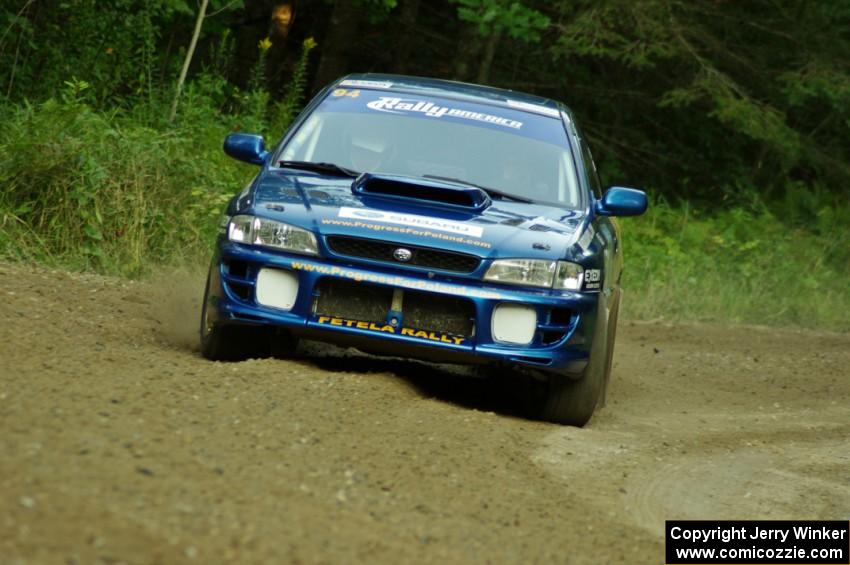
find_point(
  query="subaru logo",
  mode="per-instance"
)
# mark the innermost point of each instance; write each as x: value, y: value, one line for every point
x: 402, y: 254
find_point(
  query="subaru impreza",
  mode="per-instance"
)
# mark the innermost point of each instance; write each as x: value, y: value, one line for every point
x: 429, y: 219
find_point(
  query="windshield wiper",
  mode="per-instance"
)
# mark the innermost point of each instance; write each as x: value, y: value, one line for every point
x: 490, y: 191
x: 326, y: 168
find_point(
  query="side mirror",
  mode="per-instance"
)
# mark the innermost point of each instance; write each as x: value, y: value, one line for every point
x: 246, y: 147
x: 620, y: 201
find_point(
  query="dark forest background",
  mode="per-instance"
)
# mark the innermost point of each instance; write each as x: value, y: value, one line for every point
x: 733, y: 115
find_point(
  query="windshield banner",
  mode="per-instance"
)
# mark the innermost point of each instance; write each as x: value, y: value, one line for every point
x: 527, y: 124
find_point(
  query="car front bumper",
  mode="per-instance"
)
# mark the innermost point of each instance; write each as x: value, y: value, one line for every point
x: 561, y: 343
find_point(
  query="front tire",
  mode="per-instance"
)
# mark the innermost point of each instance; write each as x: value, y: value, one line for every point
x: 568, y: 401
x: 609, y: 363
x: 572, y: 401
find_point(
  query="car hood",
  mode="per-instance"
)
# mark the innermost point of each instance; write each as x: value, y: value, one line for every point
x: 328, y: 206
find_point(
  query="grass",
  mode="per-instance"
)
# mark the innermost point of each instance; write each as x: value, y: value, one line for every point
x: 738, y: 265
x: 104, y: 192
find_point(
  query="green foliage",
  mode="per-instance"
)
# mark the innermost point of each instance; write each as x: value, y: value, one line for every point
x: 120, y: 189
x: 286, y: 109
x: 255, y: 102
x: 378, y: 11
x: 110, y: 44
x: 94, y: 191
x: 742, y: 264
x: 828, y: 85
x: 495, y: 16
x: 636, y: 34
x: 708, y: 92
x: 738, y: 111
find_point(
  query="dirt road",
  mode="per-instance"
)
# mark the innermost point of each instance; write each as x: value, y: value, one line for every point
x: 119, y: 444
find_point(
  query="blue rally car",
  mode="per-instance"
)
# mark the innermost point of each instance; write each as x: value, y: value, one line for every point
x: 430, y: 219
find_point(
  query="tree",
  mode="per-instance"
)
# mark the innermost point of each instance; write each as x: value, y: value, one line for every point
x: 489, y: 20
x: 199, y: 22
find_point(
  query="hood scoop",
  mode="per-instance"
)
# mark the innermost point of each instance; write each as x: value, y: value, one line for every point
x: 426, y: 192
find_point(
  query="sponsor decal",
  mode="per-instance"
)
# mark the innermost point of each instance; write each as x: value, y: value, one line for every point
x: 339, y: 92
x: 388, y: 329
x: 368, y: 214
x: 366, y: 83
x: 345, y: 92
x: 545, y: 110
x: 412, y: 220
x: 592, y: 279
x: 406, y: 230
x: 395, y: 280
x: 394, y: 105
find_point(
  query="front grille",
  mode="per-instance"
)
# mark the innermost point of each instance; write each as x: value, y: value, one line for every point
x: 424, y: 257
x: 353, y: 300
x: 371, y: 303
x: 438, y: 313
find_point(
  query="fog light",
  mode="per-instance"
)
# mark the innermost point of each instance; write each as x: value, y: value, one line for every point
x: 277, y: 288
x: 514, y: 323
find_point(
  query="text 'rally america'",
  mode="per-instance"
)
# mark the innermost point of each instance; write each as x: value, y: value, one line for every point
x: 401, y: 105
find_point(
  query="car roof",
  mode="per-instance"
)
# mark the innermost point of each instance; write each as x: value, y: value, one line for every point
x: 472, y: 92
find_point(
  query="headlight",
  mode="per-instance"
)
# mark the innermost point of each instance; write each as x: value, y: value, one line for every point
x: 527, y: 272
x: 268, y: 233
x: 534, y: 272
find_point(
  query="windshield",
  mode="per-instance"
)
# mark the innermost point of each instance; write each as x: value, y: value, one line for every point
x: 512, y: 151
